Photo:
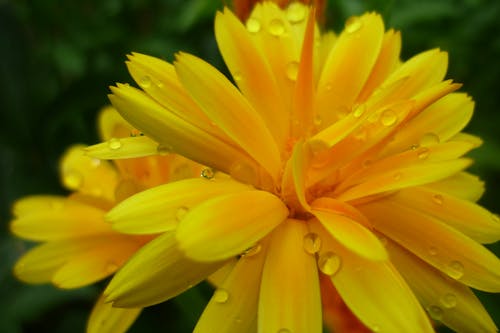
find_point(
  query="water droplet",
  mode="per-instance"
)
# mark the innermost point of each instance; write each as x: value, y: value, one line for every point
x: 237, y: 76
x: 353, y: 24
x: 296, y: 12
x: 221, y: 296
x: 181, y: 212
x: 329, y: 263
x: 312, y: 243
x: 414, y: 147
x: 429, y: 139
x: 73, y: 179
x: 375, y: 328
x: 342, y: 111
x: 433, y: 250
x: 449, y: 300
x: 145, y: 81
x: 163, y: 149
x: 208, y: 173
x: 435, y: 312
x: 359, y: 110
x: 292, y: 70
x: 455, y: 269
x: 438, y: 199
x: 252, y: 251
x: 423, y: 153
x: 114, y: 144
x: 388, y: 117
x: 253, y: 25
x: 159, y: 84
x: 134, y: 132
x: 111, y: 267
x: 276, y: 27
x: 397, y: 175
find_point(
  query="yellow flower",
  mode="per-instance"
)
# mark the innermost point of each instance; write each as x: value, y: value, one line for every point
x: 79, y: 247
x: 331, y: 157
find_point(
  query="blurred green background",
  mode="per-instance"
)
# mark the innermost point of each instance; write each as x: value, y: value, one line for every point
x: 59, y: 57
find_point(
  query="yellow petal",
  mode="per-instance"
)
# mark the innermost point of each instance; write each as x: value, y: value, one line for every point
x: 387, y: 61
x: 349, y: 64
x: 123, y: 148
x: 164, y: 273
x: 233, y: 306
x: 437, y: 243
x: 446, y: 300
x: 112, y: 125
x: 289, y: 298
x: 87, y: 175
x: 104, y: 318
x: 174, y: 133
x: 405, y: 177
x: 76, y: 263
x: 217, y: 278
x: 463, y: 185
x: 47, y: 218
x: 348, y: 232
x: 465, y: 216
x: 373, y: 290
x: 253, y: 77
x: 160, y: 209
x: 229, y: 110
x: 422, y: 71
x: 231, y: 224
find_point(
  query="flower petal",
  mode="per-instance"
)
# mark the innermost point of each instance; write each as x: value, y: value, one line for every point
x: 174, y: 133
x: 160, y: 209
x: 229, y: 110
x: 123, y: 148
x: 348, y: 231
x: 105, y: 318
x: 254, y: 78
x: 233, y: 307
x: 465, y: 216
x: 76, y: 263
x: 88, y: 175
x: 165, y: 273
x: 289, y: 298
x: 446, y: 300
x: 437, y: 243
x: 373, y: 290
x: 463, y: 185
x: 231, y: 224
x: 48, y: 218
x: 112, y: 125
x: 349, y: 64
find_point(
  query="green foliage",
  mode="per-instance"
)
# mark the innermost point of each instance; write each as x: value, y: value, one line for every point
x: 59, y: 57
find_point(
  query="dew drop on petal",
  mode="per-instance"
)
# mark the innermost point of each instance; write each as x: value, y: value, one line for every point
x: 397, y: 176
x: 429, y: 139
x: 449, y: 300
x: 237, y: 76
x: 114, y: 144
x: 433, y: 250
x: 414, y: 147
x: 276, y: 27
x: 252, y: 251
x: 388, y: 117
x: 353, y: 24
x: 296, y: 12
x: 73, y: 179
x: 375, y: 328
x: 342, y: 111
x: 253, y: 25
x: 437, y: 199
x: 423, y: 153
x: 329, y: 263
x: 208, y: 173
x: 111, y: 267
x: 181, y: 212
x: 312, y: 243
x: 455, y: 269
x: 292, y: 70
x: 163, y: 149
x: 145, y: 81
x: 317, y: 120
x: 359, y: 110
x: 435, y: 312
x: 221, y: 296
